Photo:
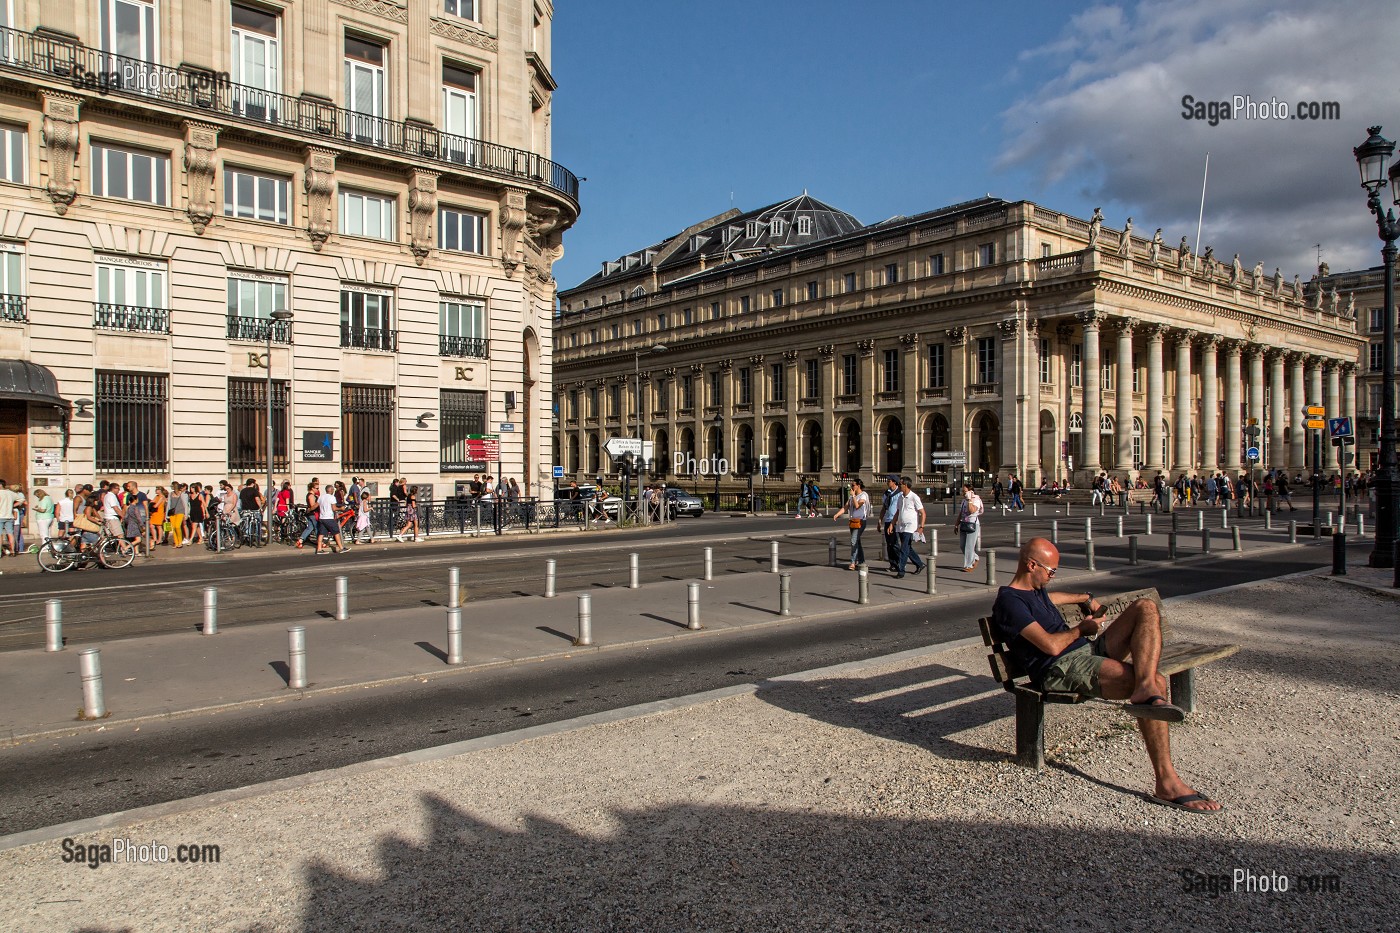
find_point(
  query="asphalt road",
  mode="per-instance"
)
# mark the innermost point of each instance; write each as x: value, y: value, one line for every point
x: 73, y: 777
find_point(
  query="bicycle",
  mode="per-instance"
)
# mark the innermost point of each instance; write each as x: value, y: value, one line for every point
x: 220, y: 534
x: 57, y: 555
x: 251, y: 529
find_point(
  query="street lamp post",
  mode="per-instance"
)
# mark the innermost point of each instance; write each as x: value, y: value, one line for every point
x: 637, y: 394
x: 1371, y: 158
x: 278, y: 316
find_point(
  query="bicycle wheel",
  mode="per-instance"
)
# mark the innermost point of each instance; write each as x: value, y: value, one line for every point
x: 56, y: 558
x: 116, y: 553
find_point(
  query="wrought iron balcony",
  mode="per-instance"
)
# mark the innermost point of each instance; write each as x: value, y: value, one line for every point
x: 369, y: 338
x: 14, y: 308
x: 130, y: 318
x: 255, y: 328
x: 209, y: 93
x: 476, y: 347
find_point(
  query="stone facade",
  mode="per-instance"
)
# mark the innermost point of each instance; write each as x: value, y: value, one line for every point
x: 1361, y: 294
x: 388, y: 182
x: 1001, y: 330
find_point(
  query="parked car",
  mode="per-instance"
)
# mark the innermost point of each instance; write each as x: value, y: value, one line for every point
x: 681, y: 502
x: 587, y: 493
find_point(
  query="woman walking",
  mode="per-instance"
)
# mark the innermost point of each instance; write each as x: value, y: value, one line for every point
x: 857, y: 510
x: 44, y: 508
x: 409, y: 516
x: 363, y: 529
x: 969, y: 526
x: 199, y: 503
x: 158, y: 504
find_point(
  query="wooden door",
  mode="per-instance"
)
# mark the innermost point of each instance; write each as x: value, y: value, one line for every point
x: 14, y: 445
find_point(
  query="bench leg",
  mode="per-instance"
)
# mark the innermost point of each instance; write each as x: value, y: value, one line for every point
x: 1030, y: 731
x: 1184, y: 689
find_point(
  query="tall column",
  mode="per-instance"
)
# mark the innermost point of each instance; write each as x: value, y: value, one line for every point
x: 1233, y: 384
x: 828, y: 367
x: 673, y: 402
x: 1123, y: 409
x: 1297, y: 399
x: 759, y: 392
x: 793, y: 445
x: 1152, y: 457
x: 698, y: 390
x: 1181, y: 403
x: 1256, y: 384
x: 1210, y: 404
x: 914, y: 459
x: 1093, y: 401
x: 869, y: 437
x: 1278, y: 411
x: 1334, y: 389
x: 1349, y: 392
x: 1012, y: 390
x: 728, y: 422
x: 957, y: 390
x: 1315, y: 396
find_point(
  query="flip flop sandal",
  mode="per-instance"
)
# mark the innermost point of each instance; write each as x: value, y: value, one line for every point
x: 1162, y: 712
x: 1180, y: 803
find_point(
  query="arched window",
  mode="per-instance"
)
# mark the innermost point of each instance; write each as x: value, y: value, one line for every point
x: 1137, y: 443
x: 1076, y: 423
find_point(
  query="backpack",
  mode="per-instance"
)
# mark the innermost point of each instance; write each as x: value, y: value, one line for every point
x: 816, y: 491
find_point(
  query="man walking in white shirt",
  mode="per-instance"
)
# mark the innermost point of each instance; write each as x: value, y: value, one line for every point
x: 910, y: 522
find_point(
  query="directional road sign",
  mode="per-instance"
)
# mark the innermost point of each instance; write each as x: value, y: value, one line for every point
x: 1314, y: 411
x: 1316, y: 424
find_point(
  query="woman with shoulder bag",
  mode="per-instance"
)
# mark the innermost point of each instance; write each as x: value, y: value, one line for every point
x: 969, y: 526
x: 857, y: 510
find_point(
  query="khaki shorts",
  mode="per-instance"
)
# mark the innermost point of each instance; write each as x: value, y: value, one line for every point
x: 1077, y: 671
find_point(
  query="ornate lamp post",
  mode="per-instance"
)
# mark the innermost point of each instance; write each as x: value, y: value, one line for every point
x: 1371, y: 157
x: 639, y: 460
x: 278, y: 316
x: 719, y: 452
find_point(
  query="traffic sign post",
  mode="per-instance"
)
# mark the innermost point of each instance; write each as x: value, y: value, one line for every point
x: 1252, y: 454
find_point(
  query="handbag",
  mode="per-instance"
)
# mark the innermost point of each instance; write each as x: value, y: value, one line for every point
x: 83, y: 523
x: 967, y: 527
x: 855, y: 523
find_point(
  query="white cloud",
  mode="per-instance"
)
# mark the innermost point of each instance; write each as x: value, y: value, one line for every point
x: 1108, y: 121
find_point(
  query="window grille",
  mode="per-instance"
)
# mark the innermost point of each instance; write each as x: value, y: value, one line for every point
x: 130, y: 422
x: 367, y: 428
x: 247, y: 425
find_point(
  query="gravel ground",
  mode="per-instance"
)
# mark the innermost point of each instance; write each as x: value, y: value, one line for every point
x: 882, y: 798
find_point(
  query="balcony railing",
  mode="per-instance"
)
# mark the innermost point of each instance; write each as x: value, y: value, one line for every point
x: 369, y: 338
x: 14, y: 308
x: 255, y: 328
x: 210, y: 93
x: 130, y: 318
x: 476, y: 347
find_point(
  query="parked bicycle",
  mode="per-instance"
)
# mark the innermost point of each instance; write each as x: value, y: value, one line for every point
x: 220, y: 534
x: 57, y: 555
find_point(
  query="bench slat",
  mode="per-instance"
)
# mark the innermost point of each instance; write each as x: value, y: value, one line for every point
x: 1182, y: 655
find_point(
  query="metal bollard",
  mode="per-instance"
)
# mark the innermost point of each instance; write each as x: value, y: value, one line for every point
x: 1149, y: 524
x: 1035, y: 510
x: 1331, y: 521
x: 1235, y: 542
x: 1175, y: 522
x: 90, y: 672
x: 53, y: 625
x: 1361, y: 526
x: 1132, y: 550
x: 1054, y: 531
x: 1171, y: 545
x: 863, y: 585
x: 784, y: 594
x: 1089, y: 555
x: 1017, y: 539
x: 454, y: 635
x: 1067, y: 510
x: 1088, y: 529
x: 454, y: 586
x: 211, y: 610
x: 1268, y: 521
x: 991, y: 557
x: 930, y: 576
x: 772, y: 557
x: 585, y: 620
x: 1205, y: 540
x: 296, y: 657
x: 1120, y: 526
x: 1317, y: 529
x: 710, y: 562
x: 932, y: 546
x: 1339, y: 555
x: 1201, y: 520
x: 1101, y: 507
x: 1225, y: 517
x: 550, y: 575
x: 342, y: 598
x: 830, y: 552
x: 1292, y: 532
x: 634, y: 571
x: 692, y: 606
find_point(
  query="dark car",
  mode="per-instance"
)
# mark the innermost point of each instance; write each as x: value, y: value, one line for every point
x: 680, y: 502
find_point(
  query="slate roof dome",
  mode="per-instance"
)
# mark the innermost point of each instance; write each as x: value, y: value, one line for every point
x: 23, y: 381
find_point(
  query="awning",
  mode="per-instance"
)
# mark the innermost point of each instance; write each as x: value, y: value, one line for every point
x: 23, y: 381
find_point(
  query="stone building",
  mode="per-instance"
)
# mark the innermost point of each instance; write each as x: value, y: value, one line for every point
x: 1361, y: 294
x: 1022, y: 339
x: 175, y: 172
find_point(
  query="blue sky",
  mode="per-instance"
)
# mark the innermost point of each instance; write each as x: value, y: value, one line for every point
x: 895, y: 107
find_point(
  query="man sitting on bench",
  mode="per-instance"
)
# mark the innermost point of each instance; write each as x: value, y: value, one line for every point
x: 1061, y: 659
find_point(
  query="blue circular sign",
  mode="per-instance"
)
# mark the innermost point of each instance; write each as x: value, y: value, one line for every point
x: 1252, y: 453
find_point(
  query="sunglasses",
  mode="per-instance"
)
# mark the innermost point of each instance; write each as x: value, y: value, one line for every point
x: 1049, y: 570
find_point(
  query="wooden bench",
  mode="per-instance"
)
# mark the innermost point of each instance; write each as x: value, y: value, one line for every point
x: 1179, y: 662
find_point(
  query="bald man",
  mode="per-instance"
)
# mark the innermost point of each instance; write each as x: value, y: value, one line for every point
x: 1060, y: 658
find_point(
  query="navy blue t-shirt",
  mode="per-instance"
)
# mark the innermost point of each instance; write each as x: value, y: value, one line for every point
x: 1013, y: 611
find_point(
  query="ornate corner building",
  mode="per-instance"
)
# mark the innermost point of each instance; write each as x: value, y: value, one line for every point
x: 178, y: 175
x: 1010, y: 336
